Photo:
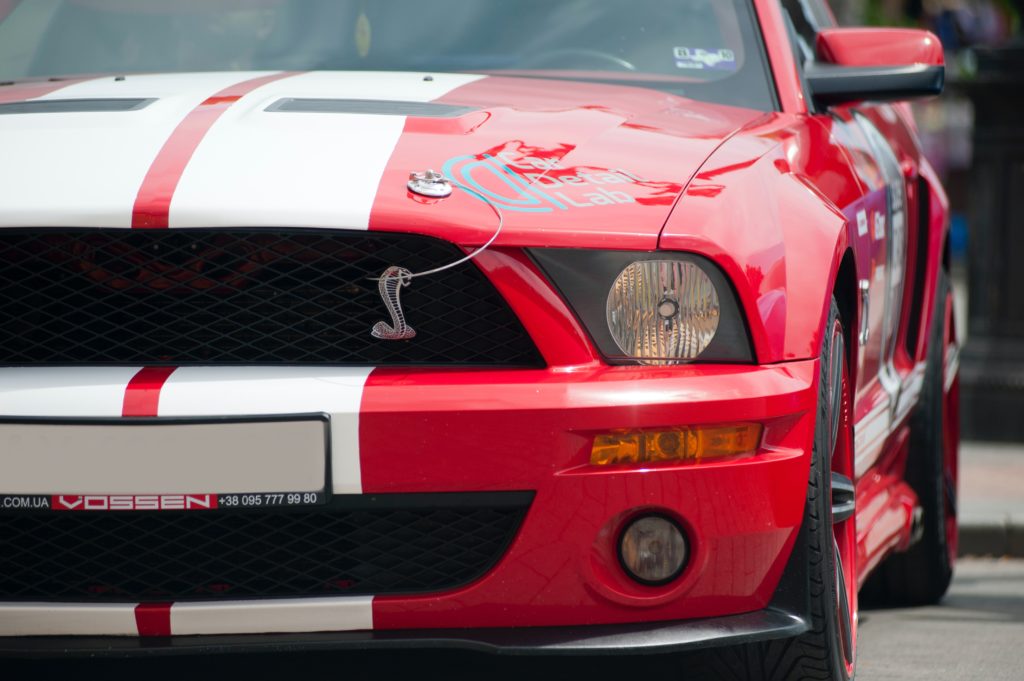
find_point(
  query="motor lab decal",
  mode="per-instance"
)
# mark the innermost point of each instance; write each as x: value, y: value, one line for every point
x: 538, y: 185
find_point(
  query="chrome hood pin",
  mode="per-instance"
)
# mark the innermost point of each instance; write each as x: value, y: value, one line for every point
x: 431, y: 184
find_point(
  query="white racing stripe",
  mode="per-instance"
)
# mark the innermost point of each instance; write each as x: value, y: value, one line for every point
x: 88, y: 392
x: 267, y: 169
x: 276, y: 616
x: 252, y: 391
x: 53, y: 619
x: 351, y: 613
x: 85, y: 169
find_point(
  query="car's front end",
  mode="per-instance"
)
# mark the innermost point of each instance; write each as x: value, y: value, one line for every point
x: 495, y: 487
x: 258, y: 388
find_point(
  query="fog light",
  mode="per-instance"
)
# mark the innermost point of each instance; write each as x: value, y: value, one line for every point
x: 653, y: 550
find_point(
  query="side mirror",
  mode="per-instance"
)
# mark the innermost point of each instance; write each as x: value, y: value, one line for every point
x: 877, y: 64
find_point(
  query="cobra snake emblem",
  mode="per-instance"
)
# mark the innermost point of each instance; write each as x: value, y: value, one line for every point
x: 390, y: 285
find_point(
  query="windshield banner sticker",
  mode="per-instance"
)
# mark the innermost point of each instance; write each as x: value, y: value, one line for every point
x: 700, y: 59
x: 535, y: 185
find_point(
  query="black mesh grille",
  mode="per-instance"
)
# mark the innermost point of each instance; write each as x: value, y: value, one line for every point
x: 372, y: 545
x: 243, y: 296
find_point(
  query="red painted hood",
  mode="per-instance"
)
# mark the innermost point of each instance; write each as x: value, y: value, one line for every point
x: 568, y: 163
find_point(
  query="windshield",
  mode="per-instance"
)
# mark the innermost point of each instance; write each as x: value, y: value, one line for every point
x: 703, y: 49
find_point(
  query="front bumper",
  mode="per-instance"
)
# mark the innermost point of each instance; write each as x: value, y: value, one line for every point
x: 444, y: 431
x: 664, y: 637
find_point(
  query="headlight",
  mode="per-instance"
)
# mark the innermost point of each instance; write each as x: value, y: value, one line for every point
x: 656, y: 308
x: 663, y: 310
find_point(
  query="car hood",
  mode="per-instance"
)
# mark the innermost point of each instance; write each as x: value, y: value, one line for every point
x: 564, y: 162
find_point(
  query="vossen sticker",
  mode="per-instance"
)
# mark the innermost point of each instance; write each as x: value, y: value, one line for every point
x: 699, y: 59
x: 157, y: 502
x: 130, y: 502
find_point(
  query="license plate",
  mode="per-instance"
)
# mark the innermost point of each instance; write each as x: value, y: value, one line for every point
x: 161, y: 465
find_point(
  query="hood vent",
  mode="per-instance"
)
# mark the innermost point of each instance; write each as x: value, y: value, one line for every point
x: 40, y: 106
x: 379, y: 107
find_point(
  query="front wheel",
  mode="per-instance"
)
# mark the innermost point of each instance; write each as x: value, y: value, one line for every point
x: 827, y: 651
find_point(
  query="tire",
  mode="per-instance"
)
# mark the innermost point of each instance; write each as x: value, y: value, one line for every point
x: 921, y: 575
x: 827, y: 651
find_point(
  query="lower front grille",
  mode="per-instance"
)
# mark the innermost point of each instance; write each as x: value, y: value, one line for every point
x: 388, y: 544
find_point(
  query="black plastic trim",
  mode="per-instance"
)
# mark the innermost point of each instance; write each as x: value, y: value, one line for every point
x: 42, y: 106
x: 584, y: 277
x: 921, y: 234
x: 832, y: 84
x: 618, y: 639
x: 369, y: 106
x: 516, y: 502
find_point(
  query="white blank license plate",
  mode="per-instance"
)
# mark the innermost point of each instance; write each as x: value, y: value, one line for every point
x: 166, y: 458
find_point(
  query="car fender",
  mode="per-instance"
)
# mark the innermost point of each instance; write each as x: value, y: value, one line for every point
x: 764, y: 208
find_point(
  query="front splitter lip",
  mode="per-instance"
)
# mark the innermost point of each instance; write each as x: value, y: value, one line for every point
x: 622, y: 639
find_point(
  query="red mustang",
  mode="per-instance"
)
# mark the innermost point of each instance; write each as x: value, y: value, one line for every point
x: 553, y: 327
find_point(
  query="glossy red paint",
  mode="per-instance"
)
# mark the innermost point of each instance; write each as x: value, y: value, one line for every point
x: 142, y: 395
x: 433, y: 431
x: 779, y: 181
x: 153, y: 619
x: 562, y: 341
x: 568, y: 163
x: 781, y: 56
x: 776, y: 200
x: 879, y: 47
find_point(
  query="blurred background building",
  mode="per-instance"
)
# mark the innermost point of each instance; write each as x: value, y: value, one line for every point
x: 974, y: 136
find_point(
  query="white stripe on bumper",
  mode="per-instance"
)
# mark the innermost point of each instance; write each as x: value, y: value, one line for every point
x: 54, y: 619
x: 97, y: 392
x: 351, y: 613
x: 88, y: 392
x: 253, y: 391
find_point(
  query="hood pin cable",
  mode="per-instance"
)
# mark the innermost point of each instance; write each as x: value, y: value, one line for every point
x: 391, y: 282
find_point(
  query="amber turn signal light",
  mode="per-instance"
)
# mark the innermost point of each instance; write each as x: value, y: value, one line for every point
x: 677, y: 445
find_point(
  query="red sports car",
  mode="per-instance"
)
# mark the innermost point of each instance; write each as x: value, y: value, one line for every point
x: 566, y: 326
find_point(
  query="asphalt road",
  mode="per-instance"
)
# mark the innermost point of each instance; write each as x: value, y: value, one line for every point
x: 976, y: 634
